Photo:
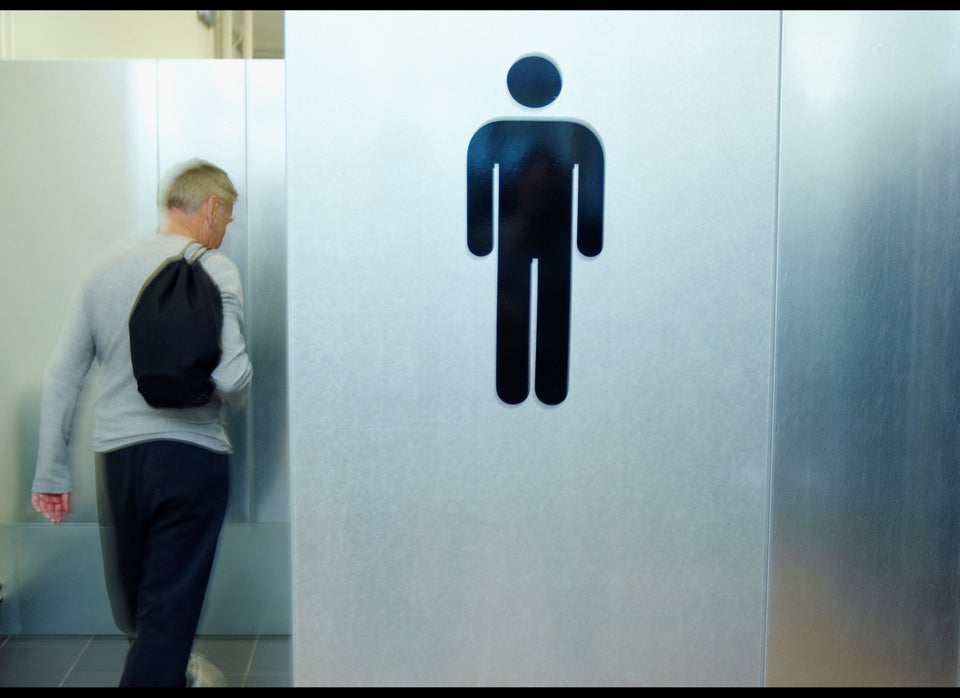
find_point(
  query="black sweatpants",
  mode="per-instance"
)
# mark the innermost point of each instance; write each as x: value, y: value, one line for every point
x: 161, y: 506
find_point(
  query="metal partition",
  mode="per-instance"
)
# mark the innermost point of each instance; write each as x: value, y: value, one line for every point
x: 83, y: 144
x: 441, y: 535
x: 864, y: 548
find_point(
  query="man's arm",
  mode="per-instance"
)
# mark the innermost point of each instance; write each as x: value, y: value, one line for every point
x: 233, y: 374
x: 62, y: 382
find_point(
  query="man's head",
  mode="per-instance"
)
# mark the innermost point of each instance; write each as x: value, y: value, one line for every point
x: 200, y: 194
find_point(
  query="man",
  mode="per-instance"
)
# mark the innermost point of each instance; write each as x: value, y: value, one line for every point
x: 162, y: 473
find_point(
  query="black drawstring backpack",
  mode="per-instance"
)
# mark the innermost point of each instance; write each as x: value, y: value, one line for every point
x: 175, y: 329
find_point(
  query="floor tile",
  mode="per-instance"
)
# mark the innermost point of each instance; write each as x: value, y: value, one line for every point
x: 272, y: 654
x: 92, y: 679
x: 229, y: 655
x: 104, y: 653
x: 96, y: 661
x: 267, y: 679
x: 39, y: 661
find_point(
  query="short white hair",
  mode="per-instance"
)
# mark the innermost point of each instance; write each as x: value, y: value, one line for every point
x: 188, y: 184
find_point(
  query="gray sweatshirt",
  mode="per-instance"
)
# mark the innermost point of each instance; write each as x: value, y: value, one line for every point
x: 96, y: 328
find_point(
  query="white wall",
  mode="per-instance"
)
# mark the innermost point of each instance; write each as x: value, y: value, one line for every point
x: 82, y: 34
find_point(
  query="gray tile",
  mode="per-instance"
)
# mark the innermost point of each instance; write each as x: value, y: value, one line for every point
x: 97, y: 661
x: 228, y: 654
x: 104, y: 653
x: 92, y: 679
x: 234, y: 679
x: 273, y: 653
x: 45, y: 658
x: 269, y: 679
x: 16, y: 679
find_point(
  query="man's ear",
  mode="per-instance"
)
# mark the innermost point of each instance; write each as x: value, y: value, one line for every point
x: 210, y: 209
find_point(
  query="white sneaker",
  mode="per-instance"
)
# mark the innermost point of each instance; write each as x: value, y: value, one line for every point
x: 201, y: 673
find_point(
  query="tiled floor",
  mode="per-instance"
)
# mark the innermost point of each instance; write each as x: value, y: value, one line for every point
x: 72, y: 661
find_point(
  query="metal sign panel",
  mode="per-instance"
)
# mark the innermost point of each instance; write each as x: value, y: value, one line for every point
x: 442, y: 534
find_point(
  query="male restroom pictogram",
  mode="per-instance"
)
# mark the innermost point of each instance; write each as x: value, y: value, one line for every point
x: 549, y: 187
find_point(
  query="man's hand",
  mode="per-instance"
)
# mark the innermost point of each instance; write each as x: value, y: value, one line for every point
x: 52, y: 506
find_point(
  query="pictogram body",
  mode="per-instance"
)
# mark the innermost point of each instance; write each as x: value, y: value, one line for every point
x: 549, y: 187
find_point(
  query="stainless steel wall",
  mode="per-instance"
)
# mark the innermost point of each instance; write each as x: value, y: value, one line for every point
x: 442, y: 536
x: 752, y: 480
x: 863, y: 582
x: 83, y: 144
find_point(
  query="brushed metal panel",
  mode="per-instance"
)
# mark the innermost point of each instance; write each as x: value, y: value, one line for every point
x: 9, y: 577
x: 61, y: 588
x: 863, y: 583
x: 77, y: 164
x: 440, y: 535
x: 266, y: 302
